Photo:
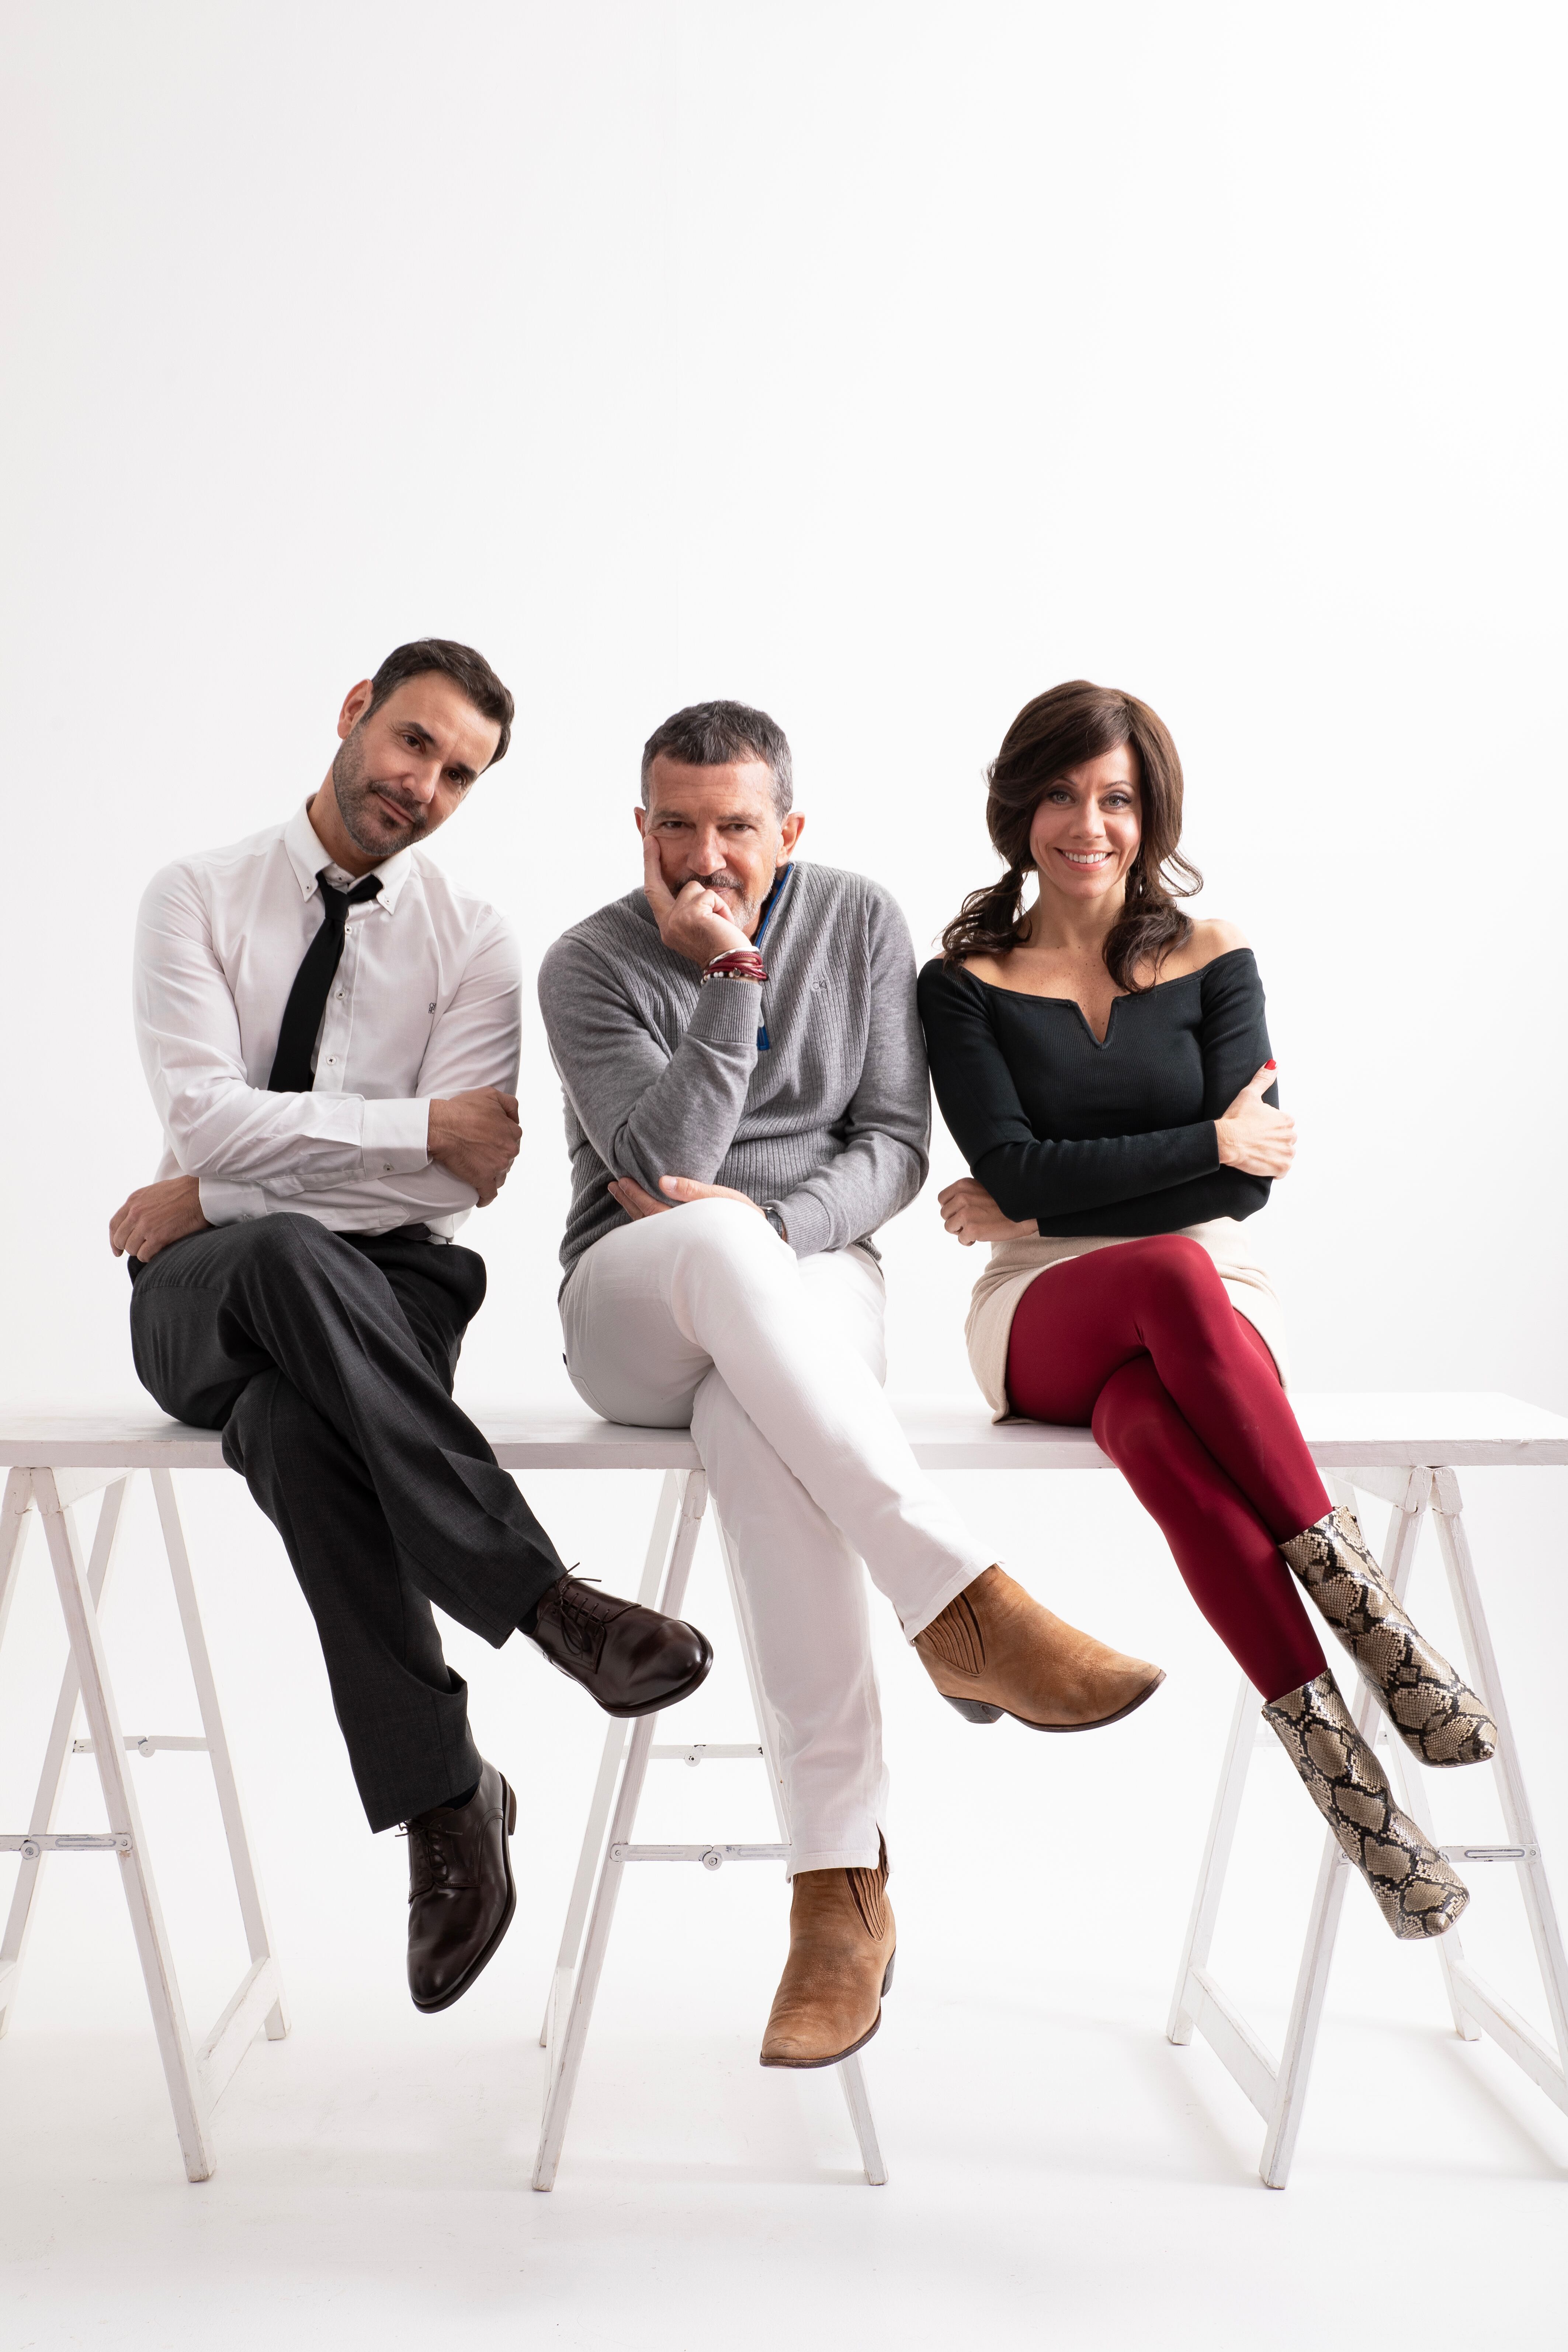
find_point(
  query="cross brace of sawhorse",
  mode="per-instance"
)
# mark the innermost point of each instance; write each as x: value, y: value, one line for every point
x: 622, y: 1770
x: 196, y: 2076
x: 1278, y: 2089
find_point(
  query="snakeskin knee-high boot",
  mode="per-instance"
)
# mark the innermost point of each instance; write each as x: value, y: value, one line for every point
x: 1415, y: 1887
x: 1438, y: 1716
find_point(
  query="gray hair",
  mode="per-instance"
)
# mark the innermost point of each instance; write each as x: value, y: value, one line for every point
x: 713, y: 734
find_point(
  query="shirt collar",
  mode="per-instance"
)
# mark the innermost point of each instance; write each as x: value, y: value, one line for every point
x: 308, y: 855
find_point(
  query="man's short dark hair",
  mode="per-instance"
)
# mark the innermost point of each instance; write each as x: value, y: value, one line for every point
x: 712, y: 734
x: 466, y: 670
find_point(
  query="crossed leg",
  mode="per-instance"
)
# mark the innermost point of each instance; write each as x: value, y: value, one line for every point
x: 702, y: 1315
x: 1141, y: 1342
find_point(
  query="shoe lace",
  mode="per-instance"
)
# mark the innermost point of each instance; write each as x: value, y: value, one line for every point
x: 429, y: 1857
x: 596, y: 1606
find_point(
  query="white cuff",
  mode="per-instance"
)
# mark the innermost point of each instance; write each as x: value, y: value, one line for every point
x: 230, y: 1204
x: 394, y: 1137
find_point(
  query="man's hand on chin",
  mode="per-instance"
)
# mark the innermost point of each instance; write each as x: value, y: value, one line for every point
x: 698, y: 924
x: 638, y: 1205
x: 155, y: 1216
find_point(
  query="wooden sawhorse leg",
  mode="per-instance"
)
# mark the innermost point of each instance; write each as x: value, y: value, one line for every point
x: 573, y: 1990
x: 196, y: 2078
x: 1279, y: 2092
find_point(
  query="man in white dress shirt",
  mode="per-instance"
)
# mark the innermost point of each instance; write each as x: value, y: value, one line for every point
x: 330, y: 1028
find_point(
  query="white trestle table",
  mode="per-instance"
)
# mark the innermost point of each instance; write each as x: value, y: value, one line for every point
x: 1407, y: 1449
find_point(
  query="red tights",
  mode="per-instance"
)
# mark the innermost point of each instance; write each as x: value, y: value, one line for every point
x: 1140, y: 1343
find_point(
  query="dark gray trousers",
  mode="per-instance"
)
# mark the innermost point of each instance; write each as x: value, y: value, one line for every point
x: 327, y: 1359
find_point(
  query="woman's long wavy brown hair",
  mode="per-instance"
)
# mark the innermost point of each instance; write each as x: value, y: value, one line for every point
x: 1056, y: 731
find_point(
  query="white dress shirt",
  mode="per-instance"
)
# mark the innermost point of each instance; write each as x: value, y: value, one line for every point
x: 425, y: 1002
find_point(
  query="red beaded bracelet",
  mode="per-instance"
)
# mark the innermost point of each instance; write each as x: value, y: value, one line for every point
x: 738, y: 963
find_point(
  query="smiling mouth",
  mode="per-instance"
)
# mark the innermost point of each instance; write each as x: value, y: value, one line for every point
x: 1086, y: 857
x: 392, y: 809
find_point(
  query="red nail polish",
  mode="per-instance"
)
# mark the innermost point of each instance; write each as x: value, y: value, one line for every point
x: 1270, y: 1065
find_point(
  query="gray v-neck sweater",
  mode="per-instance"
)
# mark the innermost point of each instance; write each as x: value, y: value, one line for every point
x: 665, y: 1077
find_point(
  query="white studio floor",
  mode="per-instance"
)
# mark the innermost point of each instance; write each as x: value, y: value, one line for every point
x: 1060, y: 2174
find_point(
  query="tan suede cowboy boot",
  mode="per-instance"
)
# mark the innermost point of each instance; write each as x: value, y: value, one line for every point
x: 841, y: 1939
x: 994, y: 1651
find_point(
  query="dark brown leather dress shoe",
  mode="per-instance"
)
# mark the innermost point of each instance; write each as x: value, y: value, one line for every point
x: 630, y: 1659
x: 461, y: 1895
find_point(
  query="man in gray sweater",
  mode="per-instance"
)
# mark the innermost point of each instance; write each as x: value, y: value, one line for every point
x: 746, y: 1103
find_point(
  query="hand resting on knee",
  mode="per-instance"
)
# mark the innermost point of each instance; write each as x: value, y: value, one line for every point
x: 155, y: 1216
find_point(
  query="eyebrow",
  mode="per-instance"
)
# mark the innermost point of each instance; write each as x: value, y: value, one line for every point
x: 457, y: 767
x: 684, y: 816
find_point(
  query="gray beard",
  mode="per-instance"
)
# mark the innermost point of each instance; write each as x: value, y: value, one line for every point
x: 747, y: 910
x: 353, y: 793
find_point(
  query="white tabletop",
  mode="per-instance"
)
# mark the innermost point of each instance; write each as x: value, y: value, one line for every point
x: 1344, y: 1431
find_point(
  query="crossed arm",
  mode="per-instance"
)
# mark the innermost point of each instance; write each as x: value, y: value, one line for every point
x: 663, y: 1121
x: 245, y: 1152
x: 1252, y: 1137
x: 475, y: 1137
x: 1025, y: 1186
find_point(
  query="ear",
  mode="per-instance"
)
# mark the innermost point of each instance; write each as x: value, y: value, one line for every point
x: 356, y: 702
x: 790, y: 833
x: 641, y: 816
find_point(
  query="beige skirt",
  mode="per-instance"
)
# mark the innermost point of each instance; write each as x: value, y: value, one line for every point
x: 1014, y: 1266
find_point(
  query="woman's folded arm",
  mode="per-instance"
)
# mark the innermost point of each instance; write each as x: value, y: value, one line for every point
x: 1051, y: 1180
x: 1144, y: 1183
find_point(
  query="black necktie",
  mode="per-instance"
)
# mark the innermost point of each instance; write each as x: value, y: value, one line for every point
x: 291, y: 1072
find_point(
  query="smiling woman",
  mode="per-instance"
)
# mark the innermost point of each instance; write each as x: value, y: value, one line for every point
x: 1139, y: 789
x: 1103, y: 1066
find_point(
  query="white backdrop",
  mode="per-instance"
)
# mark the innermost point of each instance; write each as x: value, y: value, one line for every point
x: 882, y: 365
x: 879, y: 365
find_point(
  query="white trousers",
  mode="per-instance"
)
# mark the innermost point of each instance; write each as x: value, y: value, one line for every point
x: 702, y: 1315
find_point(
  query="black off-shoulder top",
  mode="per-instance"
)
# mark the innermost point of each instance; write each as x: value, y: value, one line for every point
x: 1100, y: 1138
